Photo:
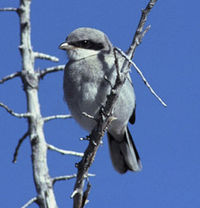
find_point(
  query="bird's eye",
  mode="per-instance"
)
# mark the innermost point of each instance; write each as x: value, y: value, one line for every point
x: 85, y: 42
x: 81, y: 44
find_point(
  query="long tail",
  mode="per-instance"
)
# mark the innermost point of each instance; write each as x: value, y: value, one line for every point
x: 123, y: 153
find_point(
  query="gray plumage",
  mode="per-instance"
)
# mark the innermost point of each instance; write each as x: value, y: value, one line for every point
x: 85, y: 90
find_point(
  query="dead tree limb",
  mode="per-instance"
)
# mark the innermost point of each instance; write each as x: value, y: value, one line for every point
x: 43, y: 183
x: 49, y: 118
x: 31, y: 201
x: 9, y: 9
x: 18, y: 146
x: 11, y: 76
x: 11, y: 112
x: 39, y: 55
x: 64, y: 152
x: 140, y: 31
x: 46, y: 71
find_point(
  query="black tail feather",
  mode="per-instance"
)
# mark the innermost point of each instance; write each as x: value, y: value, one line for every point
x: 123, y: 153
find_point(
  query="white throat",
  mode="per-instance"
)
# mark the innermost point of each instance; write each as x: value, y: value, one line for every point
x: 80, y: 53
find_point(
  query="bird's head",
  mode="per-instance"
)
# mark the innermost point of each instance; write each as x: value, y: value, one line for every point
x: 85, y: 42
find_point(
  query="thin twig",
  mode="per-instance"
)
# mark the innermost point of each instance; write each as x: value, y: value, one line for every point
x: 46, y: 71
x: 11, y: 76
x: 68, y: 177
x: 45, y: 56
x: 87, y: 115
x: 63, y: 178
x: 49, y: 118
x: 18, y: 146
x: 9, y: 9
x: 34, y: 199
x: 64, y: 152
x: 107, y: 80
x: 144, y: 32
x: 137, y: 39
x: 85, y: 195
x: 116, y: 63
x: 87, y: 138
x: 11, y: 112
x: 142, y: 76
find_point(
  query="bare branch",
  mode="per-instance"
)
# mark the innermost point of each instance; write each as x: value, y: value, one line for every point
x: 139, y: 34
x: 85, y: 195
x: 11, y: 112
x: 30, y: 78
x: 11, y: 76
x: 18, y: 146
x: 144, y: 32
x: 64, y: 152
x: 46, y: 71
x: 75, y: 192
x: 45, y: 119
x: 9, y: 9
x: 116, y: 63
x: 87, y: 138
x: 142, y: 76
x: 107, y: 80
x: 87, y: 115
x: 34, y: 199
x: 63, y: 178
x: 45, y: 56
x: 68, y: 177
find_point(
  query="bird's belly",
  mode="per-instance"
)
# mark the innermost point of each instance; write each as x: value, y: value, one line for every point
x: 87, y: 99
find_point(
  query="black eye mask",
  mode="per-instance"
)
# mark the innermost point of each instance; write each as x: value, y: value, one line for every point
x: 87, y: 44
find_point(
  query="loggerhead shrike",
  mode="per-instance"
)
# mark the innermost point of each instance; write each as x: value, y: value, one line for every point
x: 91, y: 59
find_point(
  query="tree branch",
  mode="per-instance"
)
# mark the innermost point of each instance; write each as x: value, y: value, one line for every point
x: 139, y: 34
x: 88, y: 116
x: 41, y: 177
x: 46, y: 71
x: 34, y: 199
x: 9, y: 9
x: 63, y: 178
x: 68, y: 177
x: 64, y: 152
x: 18, y: 146
x: 49, y: 118
x: 11, y: 76
x: 38, y: 55
x: 142, y: 76
x: 85, y: 195
x: 11, y: 112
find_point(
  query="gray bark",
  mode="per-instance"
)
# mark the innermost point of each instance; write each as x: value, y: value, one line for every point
x: 42, y: 180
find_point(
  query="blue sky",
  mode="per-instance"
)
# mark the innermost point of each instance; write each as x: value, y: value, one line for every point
x: 168, y: 139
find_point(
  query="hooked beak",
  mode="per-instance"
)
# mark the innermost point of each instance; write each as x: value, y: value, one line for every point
x: 65, y: 46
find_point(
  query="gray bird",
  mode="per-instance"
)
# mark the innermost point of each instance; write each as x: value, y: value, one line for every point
x: 88, y: 77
